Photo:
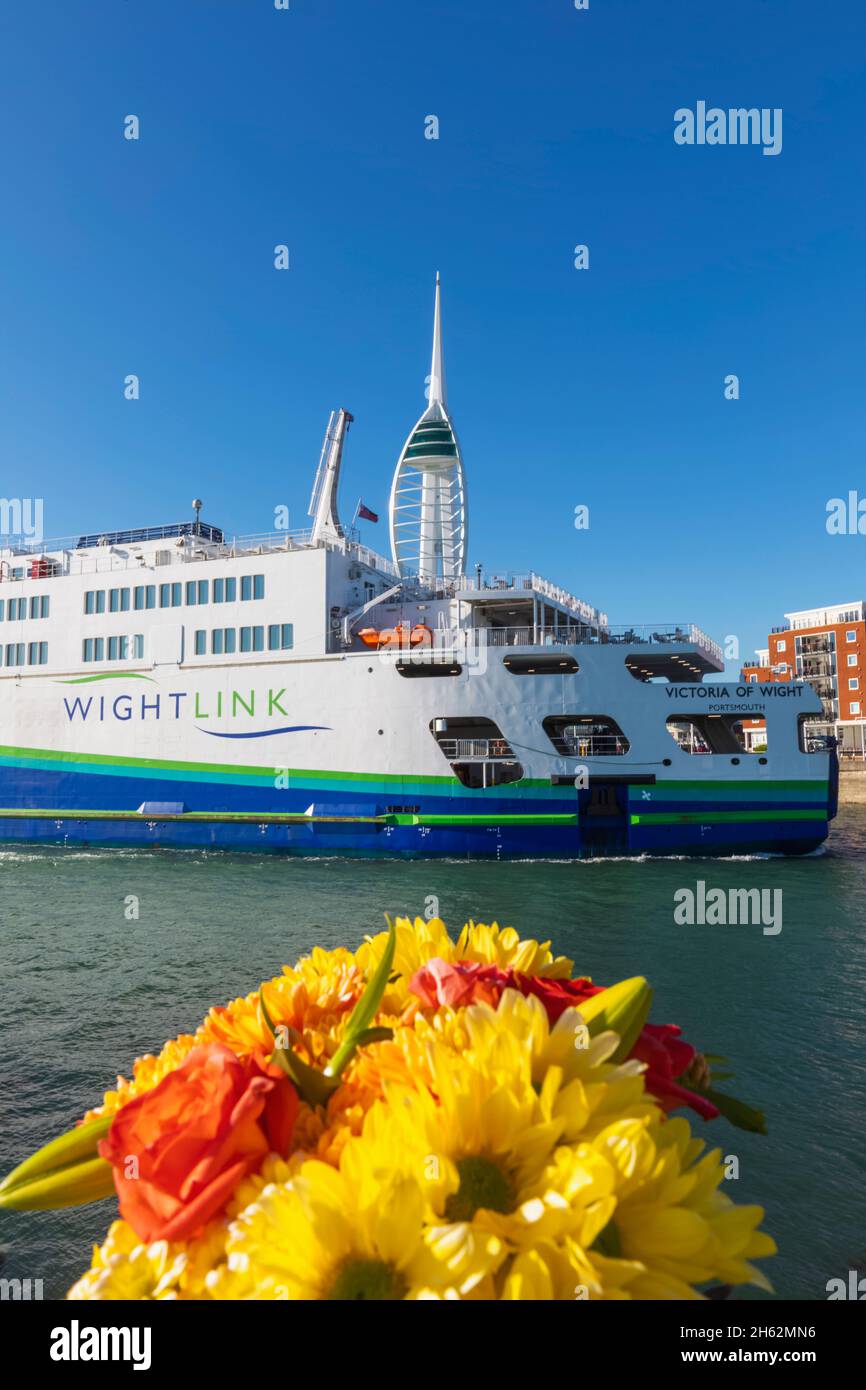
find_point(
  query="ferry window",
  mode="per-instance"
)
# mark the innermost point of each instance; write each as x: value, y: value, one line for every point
x: 540, y: 665
x: 202, y: 590
x: 138, y: 597
x: 218, y: 590
x: 191, y: 591
x: 150, y: 595
x: 115, y: 600
x: 853, y: 682
x: 123, y: 645
x: 230, y: 640
x: 87, y: 652
x: 17, y: 608
x: 479, y: 755
x: 712, y: 733
x: 258, y: 586
x: 246, y: 638
x: 99, y: 649
x: 851, y: 636
x: 201, y: 642
x: 216, y: 641
x: 231, y: 590
x: 164, y: 595
x: 246, y: 586
x: 176, y: 595
x: 852, y: 658
x: 280, y: 636
x: 112, y: 648
x: 585, y: 735
x: 138, y: 646
x: 44, y: 606
x: 2, y: 608
x: 258, y: 639
x: 34, y: 605
x: 37, y: 653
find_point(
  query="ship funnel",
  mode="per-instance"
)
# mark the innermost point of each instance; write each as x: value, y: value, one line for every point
x: 323, y: 501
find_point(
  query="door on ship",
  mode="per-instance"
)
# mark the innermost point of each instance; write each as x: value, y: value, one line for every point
x: 602, y: 816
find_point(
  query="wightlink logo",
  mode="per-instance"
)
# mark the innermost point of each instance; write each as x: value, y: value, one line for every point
x: 231, y: 705
x: 736, y: 126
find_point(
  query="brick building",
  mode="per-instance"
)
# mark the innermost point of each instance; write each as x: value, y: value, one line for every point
x: 827, y: 647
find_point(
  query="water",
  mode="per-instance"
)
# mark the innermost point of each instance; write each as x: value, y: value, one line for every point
x: 86, y: 991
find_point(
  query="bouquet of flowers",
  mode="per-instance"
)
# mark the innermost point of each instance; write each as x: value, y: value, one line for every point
x: 418, y: 1119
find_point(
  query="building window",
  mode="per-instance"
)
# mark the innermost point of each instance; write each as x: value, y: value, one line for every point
x: 201, y: 642
x: 753, y: 677
x: 780, y: 646
x: 854, y: 683
x: 852, y: 658
x: 855, y: 706
x: 783, y: 668
x: 851, y: 635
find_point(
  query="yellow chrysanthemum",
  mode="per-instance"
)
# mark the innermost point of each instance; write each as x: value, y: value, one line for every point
x: 348, y: 1234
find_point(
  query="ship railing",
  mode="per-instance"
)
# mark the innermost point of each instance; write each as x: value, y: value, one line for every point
x: 648, y: 634
x: 475, y: 749
x: 593, y: 746
x: 50, y: 559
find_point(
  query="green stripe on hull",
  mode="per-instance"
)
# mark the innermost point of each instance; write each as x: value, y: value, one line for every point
x: 724, y: 817
x: 275, y: 818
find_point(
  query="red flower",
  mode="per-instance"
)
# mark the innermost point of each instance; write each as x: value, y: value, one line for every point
x: 179, y: 1151
x: 466, y: 982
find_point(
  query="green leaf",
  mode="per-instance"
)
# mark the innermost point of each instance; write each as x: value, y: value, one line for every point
x: 367, y: 1006
x: 312, y: 1085
x: 67, y: 1172
x: 742, y: 1115
x: 371, y: 1035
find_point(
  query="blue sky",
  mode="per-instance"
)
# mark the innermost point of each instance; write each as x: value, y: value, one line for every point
x: 602, y: 387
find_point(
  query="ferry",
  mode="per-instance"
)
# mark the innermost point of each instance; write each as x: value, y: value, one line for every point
x: 300, y: 693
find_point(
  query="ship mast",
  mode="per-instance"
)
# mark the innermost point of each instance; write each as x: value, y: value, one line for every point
x: 427, y: 511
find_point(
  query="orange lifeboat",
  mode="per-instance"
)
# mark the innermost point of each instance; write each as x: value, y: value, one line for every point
x: 369, y: 636
x: 421, y: 635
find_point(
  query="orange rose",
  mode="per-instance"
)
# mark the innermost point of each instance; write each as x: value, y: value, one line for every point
x: 193, y: 1138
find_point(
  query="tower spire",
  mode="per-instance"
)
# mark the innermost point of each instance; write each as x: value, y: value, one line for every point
x: 427, y: 510
x: 437, y: 365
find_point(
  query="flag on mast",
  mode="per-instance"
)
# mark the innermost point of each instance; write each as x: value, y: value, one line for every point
x: 366, y: 513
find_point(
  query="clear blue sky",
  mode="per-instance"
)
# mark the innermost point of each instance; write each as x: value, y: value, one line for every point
x: 556, y: 127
